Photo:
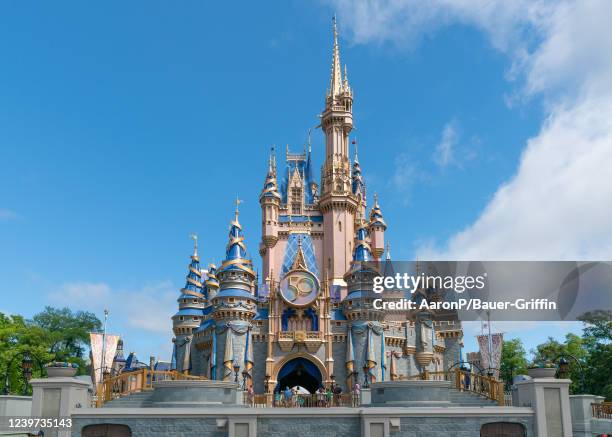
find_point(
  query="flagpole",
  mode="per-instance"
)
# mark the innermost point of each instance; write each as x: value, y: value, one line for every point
x: 103, y: 366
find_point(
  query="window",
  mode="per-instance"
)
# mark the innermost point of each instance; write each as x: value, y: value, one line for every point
x: 340, y: 226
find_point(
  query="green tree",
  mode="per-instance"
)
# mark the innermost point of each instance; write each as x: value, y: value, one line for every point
x: 597, y: 340
x: 53, y: 334
x: 572, y: 349
x: 513, y: 360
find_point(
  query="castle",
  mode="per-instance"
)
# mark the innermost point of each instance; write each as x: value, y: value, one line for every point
x: 311, y: 321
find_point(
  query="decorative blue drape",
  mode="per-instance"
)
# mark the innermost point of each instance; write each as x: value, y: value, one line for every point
x: 285, y: 318
x: 383, y: 361
x: 213, y: 357
x: 314, y: 318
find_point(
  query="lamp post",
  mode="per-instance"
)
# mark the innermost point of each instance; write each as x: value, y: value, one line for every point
x: 366, y: 383
x: 26, y: 368
x: 236, y: 370
x: 27, y: 362
x: 244, y: 378
x: 564, y: 369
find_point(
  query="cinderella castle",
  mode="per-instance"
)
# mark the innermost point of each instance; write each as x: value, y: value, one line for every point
x: 310, y: 321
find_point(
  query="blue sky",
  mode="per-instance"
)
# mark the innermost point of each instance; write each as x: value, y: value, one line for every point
x: 127, y: 126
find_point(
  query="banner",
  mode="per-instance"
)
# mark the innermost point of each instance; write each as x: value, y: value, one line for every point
x: 491, y: 359
x: 97, y: 346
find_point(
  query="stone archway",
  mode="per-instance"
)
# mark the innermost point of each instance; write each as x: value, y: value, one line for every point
x: 293, y: 363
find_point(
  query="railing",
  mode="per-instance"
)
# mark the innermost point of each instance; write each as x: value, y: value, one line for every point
x: 464, y: 380
x: 602, y: 411
x: 482, y: 385
x: 134, y: 382
x: 316, y: 400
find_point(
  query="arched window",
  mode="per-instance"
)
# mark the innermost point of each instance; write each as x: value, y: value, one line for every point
x: 502, y: 429
x: 106, y: 430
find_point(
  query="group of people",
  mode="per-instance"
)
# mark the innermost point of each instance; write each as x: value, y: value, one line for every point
x: 323, y: 397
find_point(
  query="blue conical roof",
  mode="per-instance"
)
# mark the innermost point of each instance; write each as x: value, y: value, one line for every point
x: 362, y: 252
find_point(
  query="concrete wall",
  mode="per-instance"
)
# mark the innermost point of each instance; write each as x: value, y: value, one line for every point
x: 322, y: 422
x: 11, y: 405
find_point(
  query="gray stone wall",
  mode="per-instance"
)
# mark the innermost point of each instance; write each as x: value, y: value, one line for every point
x: 345, y: 424
x: 162, y: 427
x: 309, y: 426
x: 260, y: 353
x: 451, y: 354
x: 454, y: 426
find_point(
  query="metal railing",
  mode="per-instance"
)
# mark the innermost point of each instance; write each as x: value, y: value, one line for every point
x: 134, y: 382
x: 316, y: 400
x: 602, y: 411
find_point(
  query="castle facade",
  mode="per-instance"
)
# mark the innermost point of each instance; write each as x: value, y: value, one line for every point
x: 310, y: 320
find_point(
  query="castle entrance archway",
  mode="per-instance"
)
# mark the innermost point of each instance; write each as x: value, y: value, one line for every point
x: 299, y: 371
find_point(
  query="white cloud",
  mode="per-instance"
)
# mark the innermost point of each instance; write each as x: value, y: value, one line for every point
x: 141, y: 316
x: 443, y: 155
x: 556, y: 206
x: 7, y: 214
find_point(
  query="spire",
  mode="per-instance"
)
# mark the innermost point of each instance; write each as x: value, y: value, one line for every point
x: 193, y: 282
x: 345, y: 82
x: 362, y: 248
x: 300, y: 260
x: 194, y: 237
x: 237, y: 202
x: 235, y: 247
x: 376, y: 216
x: 335, y: 85
x: 270, y: 188
x: 358, y: 184
x: 388, y: 251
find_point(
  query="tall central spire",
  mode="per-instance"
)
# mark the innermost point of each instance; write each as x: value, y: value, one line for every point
x: 335, y: 86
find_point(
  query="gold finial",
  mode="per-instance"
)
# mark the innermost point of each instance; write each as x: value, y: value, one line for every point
x: 309, y: 143
x: 356, y: 154
x: 194, y: 237
x: 375, y: 200
x: 237, y: 202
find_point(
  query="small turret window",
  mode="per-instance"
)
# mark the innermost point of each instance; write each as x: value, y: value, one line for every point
x: 340, y: 226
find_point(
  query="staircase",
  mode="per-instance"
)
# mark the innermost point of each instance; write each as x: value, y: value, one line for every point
x: 134, y: 400
x: 469, y: 399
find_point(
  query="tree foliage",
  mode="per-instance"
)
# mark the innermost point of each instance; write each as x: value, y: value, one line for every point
x: 589, y: 355
x: 51, y: 335
x: 513, y: 359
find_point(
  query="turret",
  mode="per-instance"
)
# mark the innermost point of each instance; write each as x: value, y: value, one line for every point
x: 358, y: 303
x: 234, y: 307
x: 337, y: 203
x: 270, y: 201
x: 212, y: 283
x: 358, y: 189
x: 377, y: 228
x: 235, y: 299
x: 191, y: 300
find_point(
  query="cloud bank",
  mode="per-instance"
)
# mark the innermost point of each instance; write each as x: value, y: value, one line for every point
x: 557, y: 204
